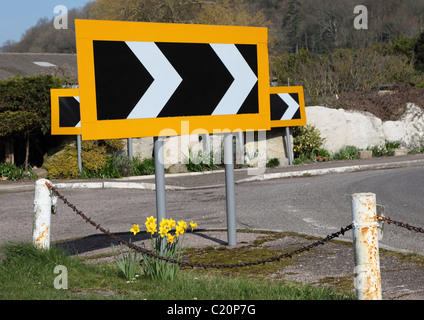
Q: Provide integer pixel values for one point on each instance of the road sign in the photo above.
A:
(141, 79)
(65, 112)
(287, 107)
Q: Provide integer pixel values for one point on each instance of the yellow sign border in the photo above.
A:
(55, 94)
(293, 122)
(92, 129)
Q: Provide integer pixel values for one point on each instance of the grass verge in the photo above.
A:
(27, 273)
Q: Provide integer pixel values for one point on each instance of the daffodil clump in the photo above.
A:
(167, 243)
(128, 261)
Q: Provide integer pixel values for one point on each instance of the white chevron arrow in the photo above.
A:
(293, 106)
(244, 78)
(166, 80)
(79, 122)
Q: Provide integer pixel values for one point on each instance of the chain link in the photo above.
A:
(289, 254)
(400, 224)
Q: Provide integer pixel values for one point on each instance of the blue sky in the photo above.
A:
(16, 16)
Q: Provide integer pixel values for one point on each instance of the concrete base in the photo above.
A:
(365, 154)
(400, 152)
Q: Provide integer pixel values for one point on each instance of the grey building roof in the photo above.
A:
(26, 64)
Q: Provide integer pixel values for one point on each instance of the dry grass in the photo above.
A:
(387, 105)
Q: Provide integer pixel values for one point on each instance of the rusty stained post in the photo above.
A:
(365, 240)
(42, 214)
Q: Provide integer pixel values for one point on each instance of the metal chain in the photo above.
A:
(191, 264)
(216, 265)
(400, 224)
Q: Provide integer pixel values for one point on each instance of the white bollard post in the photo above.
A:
(365, 240)
(42, 215)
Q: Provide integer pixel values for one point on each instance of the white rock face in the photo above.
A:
(341, 128)
(409, 129)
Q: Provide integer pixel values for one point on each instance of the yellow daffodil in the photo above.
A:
(171, 223)
(163, 231)
(151, 227)
(165, 224)
(179, 230)
(182, 224)
(150, 220)
(151, 224)
(170, 238)
(193, 225)
(135, 229)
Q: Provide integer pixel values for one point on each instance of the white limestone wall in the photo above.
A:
(339, 127)
(342, 127)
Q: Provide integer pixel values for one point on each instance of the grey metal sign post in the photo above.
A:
(79, 142)
(229, 187)
(130, 149)
(160, 183)
(289, 151)
(159, 178)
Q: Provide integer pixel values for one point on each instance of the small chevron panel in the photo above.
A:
(142, 79)
(65, 112)
(287, 107)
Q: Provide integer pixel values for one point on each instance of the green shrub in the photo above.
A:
(346, 70)
(299, 160)
(378, 151)
(63, 164)
(323, 153)
(12, 172)
(392, 144)
(113, 145)
(200, 162)
(386, 150)
(93, 156)
(109, 170)
(123, 164)
(272, 163)
(307, 141)
(348, 152)
(419, 52)
(145, 167)
(96, 163)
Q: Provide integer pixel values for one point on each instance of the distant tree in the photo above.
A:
(43, 37)
(224, 12)
(321, 26)
(419, 52)
(25, 109)
(291, 24)
(174, 11)
(230, 12)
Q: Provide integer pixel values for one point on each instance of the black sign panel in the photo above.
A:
(183, 79)
(69, 112)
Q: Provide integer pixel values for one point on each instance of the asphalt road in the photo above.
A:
(321, 205)
(316, 205)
